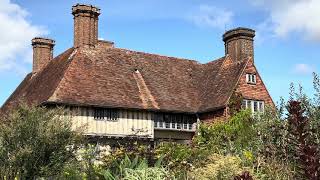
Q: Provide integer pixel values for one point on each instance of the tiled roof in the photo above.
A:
(113, 77)
(37, 88)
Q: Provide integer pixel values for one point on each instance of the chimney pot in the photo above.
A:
(42, 52)
(85, 24)
(239, 43)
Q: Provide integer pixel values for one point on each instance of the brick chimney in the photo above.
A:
(85, 25)
(42, 53)
(239, 43)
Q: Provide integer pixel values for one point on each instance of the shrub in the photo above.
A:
(232, 136)
(218, 167)
(131, 150)
(151, 173)
(36, 142)
(137, 168)
(177, 157)
(84, 166)
(306, 150)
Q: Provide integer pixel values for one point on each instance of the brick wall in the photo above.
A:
(256, 91)
(240, 48)
(210, 117)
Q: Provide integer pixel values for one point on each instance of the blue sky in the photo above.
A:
(287, 44)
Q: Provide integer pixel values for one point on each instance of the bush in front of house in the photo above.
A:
(36, 142)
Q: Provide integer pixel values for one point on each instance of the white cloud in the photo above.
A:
(287, 16)
(15, 37)
(211, 16)
(303, 69)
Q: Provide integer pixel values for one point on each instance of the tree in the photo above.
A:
(36, 142)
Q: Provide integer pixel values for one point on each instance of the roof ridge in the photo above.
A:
(160, 55)
(214, 61)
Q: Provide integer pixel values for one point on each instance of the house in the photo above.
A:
(124, 94)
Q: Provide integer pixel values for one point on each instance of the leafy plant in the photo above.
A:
(231, 136)
(235, 103)
(307, 151)
(177, 157)
(36, 142)
(148, 173)
(136, 168)
(218, 167)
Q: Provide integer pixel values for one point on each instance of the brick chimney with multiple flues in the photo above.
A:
(85, 25)
(42, 53)
(239, 43)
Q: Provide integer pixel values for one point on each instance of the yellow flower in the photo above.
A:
(248, 155)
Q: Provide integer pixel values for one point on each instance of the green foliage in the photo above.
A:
(271, 136)
(137, 168)
(235, 103)
(177, 157)
(149, 173)
(231, 136)
(218, 167)
(268, 169)
(130, 150)
(84, 166)
(36, 142)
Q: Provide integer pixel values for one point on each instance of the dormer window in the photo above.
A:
(251, 78)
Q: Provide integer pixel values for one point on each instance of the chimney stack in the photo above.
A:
(42, 53)
(239, 43)
(85, 25)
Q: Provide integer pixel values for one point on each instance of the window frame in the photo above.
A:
(251, 78)
(106, 114)
(250, 104)
(178, 122)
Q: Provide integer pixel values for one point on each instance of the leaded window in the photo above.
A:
(106, 114)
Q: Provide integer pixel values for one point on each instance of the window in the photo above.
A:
(179, 122)
(106, 114)
(261, 106)
(251, 78)
(174, 121)
(158, 121)
(253, 105)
